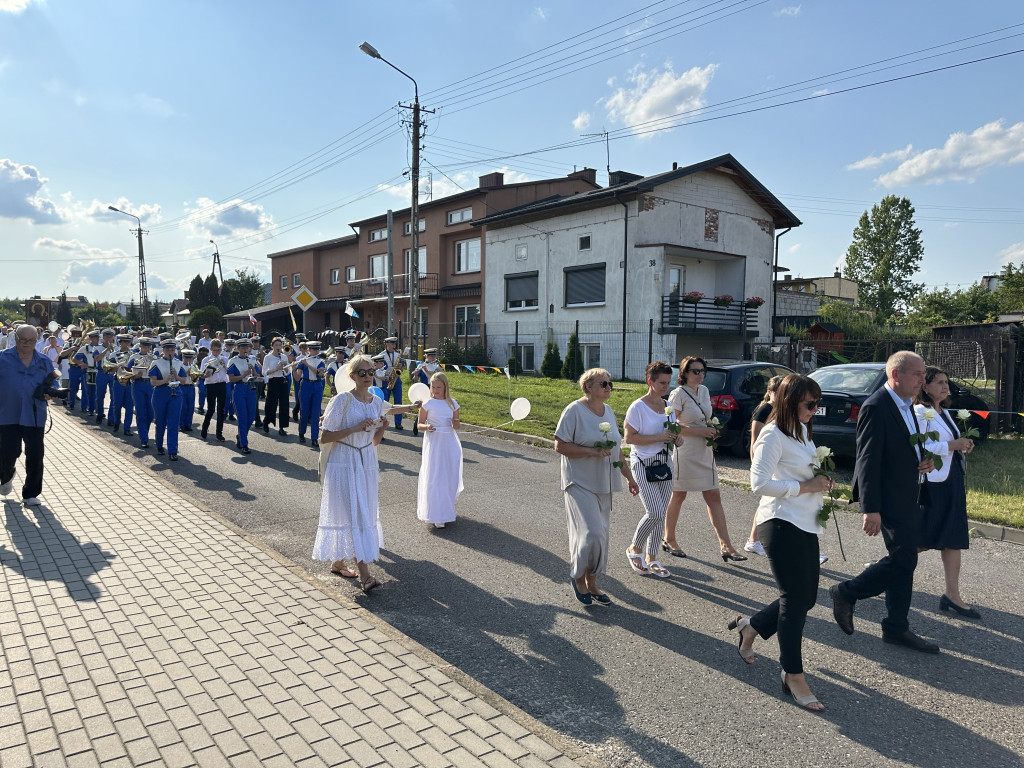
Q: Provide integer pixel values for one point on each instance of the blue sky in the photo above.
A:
(261, 126)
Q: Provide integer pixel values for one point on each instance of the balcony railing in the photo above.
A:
(705, 318)
(377, 287)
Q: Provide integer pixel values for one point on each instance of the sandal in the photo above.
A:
(369, 584)
(666, 547)
(658, 569)
(738, 624)
(804, 701)
(633, 558)
(348, 573)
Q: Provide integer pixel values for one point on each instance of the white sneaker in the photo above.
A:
(822, 559)
(33, 502)
(7, 487)
(755, 547)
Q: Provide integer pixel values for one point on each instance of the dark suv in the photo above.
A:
(737, 388)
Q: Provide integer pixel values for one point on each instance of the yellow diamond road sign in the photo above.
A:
(304, 298)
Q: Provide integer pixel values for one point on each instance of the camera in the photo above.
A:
(45, 389)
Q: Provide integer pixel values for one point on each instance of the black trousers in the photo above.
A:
(277, 403)
(793, 557)
(216, 397)
(893, 574)
(11, 438)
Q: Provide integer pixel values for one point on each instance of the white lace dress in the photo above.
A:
(440, 481)
(349, 515)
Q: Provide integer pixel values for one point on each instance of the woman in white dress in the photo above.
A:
(349, 517)
(440, 480)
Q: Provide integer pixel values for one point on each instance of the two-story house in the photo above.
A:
(622, 260)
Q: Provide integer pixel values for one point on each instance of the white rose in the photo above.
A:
(605, 427)
(715, 422)
(963, 414)
(928, 414)
(669, 410)
(822, 452)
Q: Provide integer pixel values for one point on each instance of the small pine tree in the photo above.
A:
(551, 365)
(514, 368)
(211, 291)
(572, 368)
(196, 294)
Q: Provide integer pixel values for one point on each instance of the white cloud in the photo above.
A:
(80, 249)
(793, 248)
(789, 10)
(99, 211)
(962, 157)
(582, 122)
(540, 13)
(821, 92)
(632, 32)
(93, 272)
(873, 161)
(654, 94)
(15, 6)
(19, 194)
(236, 217)
(56, 88)
(154, 105)
(1013, 254)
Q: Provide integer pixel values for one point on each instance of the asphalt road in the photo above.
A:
(654, 679)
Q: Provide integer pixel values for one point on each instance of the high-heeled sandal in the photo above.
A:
(665, 547)
(727, 556)
(803, 701)
(738, 624)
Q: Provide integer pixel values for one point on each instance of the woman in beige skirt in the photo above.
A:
(694, 461)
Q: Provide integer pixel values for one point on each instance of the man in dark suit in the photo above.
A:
(887, 484)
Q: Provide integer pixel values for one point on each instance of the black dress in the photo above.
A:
(944, 505)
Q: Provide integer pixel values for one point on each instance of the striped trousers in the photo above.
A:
(651, 528)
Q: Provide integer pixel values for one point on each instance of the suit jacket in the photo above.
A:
(885, 478)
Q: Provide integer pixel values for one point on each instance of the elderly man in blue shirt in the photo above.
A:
(22, 415)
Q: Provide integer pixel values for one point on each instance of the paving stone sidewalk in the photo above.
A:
(137, 629)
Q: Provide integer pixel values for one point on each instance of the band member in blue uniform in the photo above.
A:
(187, 391)
(393, 381)
(298, 352)
(341, 358)
(242, 372)
(230, 352)
(352, 347)
(166, 375)
(422, 373)
(87, 359)
(76, 376)
(142, 390)
(121, 406)
(312, 392)
(104, 380)
(201, 354)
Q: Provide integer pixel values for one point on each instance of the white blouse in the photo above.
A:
(646, 421)
(939, 447)
(780, 464)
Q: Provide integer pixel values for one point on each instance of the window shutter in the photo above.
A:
(521, 288)
(584, 285)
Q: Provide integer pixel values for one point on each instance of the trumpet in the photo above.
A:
(194, 373)
(108, 366)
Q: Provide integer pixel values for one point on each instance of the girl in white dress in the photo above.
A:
(441, 471)
(349, 517)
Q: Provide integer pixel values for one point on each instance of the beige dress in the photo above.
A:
(693, 462)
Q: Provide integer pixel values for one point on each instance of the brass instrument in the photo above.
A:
(194, 373)
(396, 372)
(108, 367)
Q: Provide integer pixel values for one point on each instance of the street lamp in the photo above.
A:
(414, 255)
(143, 293)
(216, 262)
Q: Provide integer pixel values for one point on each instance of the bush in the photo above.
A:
(476, 354)
(572, 368)
(551, 366)
(449, 352)
(514, 368)
(211, 317)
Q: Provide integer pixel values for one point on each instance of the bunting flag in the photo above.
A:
(351, 311)
(983, 414)
(507, 374)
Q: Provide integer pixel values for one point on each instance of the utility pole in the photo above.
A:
(389, 273)
(607, 152)
(216, 263)
(143, 292)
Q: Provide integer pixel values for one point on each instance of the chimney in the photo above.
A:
(587, 174)
(675, 166)
(622, 177)
(787, 278)
(838, 274)
(492, 180)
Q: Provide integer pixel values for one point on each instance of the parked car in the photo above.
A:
(844, 388)
(737, 388)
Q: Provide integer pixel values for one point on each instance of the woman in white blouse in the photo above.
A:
(944, 522)
(782, 471)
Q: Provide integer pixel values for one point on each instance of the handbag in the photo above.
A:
(658, 471)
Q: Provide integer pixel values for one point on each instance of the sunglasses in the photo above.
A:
(605, 385)
(364, 372)
(696, 371)
(811, 405)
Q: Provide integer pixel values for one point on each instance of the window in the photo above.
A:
(335, 276)
(521, 252)
(463, 214)
(378, 234)
(350, 274)
(467, 320)
(521, 291)
(284, 282)
(523, 353)
(422, 227)
(422, 260)
(467, 256)
(377, 273)
(296, 280)
(424, 317)
(584, 285)
(676, 281)
(584, 243)
(591, 355)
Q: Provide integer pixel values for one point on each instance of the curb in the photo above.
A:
(568, 747)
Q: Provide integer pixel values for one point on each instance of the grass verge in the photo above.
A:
(995, 483)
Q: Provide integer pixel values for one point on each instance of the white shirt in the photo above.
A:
(939, 447)
(907, 412)
(52, 353)
(205, 343)
(646, 421)
(271, 361)
(780, 464)
(221, 376)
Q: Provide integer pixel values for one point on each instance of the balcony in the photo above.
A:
(705, 318)
(377, 287)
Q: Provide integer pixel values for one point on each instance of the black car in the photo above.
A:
(845, 387)
(737, 388)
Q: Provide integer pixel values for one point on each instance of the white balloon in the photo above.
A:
(419, 391)
(520, 409)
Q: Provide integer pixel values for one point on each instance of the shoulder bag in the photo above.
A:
(658, 471)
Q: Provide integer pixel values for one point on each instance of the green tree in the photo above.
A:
(132, 316)
(976, 304)
(551, 365)
(227, 298)
(212, 291)
(572, 367)
(1010, 293)
(884, 256)
(197, 294)
(104, 316)
(64, 316)
(247, 287)
(211, 317)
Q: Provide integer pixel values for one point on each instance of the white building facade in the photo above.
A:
(619, 262)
